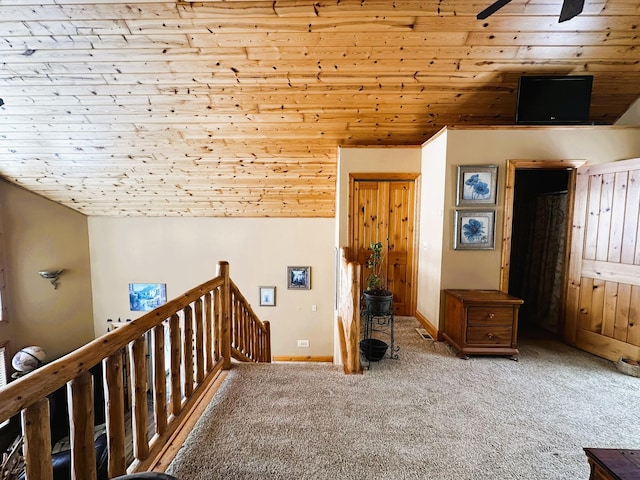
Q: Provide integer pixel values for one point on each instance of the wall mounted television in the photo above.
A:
(553, 100)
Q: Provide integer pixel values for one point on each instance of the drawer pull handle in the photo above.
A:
(490, 335)
(491, 315)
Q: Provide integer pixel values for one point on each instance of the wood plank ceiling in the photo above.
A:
(236, 108)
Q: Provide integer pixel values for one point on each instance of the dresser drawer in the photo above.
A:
(496, 335)
(490, 315)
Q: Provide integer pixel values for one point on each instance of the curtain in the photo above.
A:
(541, 252)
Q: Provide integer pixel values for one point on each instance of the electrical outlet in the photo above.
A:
(314, 308)
(303, 343)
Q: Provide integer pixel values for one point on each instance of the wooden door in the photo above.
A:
(603, 297)
(383, 211)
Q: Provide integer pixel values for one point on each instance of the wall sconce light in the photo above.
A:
(52, 275)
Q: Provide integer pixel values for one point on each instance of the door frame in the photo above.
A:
(507, 230)
(390, 177)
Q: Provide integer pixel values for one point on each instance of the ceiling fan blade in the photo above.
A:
(493, 8)
(570, 8)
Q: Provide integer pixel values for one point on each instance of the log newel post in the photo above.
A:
(225, 317)
(267, 341)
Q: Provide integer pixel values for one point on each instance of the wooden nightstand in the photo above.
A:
(482, 322)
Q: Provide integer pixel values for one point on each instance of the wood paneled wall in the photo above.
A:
(236, 108)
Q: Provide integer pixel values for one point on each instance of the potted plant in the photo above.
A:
(378, 301)
(377, 298)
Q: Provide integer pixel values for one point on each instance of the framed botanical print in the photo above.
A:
(267, 296)
(477, 184)
(474, 230)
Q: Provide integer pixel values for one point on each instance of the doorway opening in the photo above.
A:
(538, 245)
(539, 203)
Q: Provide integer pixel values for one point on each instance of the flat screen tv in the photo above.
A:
(553, 100)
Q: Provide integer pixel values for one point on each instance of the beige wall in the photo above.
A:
(368, 159)
(42, 235)
(481, 269)
(184, 252)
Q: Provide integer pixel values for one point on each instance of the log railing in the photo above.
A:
(250, 338)
(201, 325)
(349, 314)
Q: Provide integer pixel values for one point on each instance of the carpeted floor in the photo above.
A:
(427, 415)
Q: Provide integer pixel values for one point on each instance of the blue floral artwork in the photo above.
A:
(474, 229)
(476, 186)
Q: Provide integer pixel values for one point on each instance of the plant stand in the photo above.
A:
(378, 326)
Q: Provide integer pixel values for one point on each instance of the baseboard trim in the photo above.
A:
(303, 358)
(428, 326)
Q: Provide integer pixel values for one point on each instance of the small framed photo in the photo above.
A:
(477, 184)
(299, 278)
(267, 296)
(474, 230)
(144, 297)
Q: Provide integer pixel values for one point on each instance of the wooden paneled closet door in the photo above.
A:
(384, 211)
(603, 297)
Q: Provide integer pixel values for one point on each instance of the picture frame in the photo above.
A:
(474, 230)
(299, 278)
(144, 297)
(476, 185)
(267, 296)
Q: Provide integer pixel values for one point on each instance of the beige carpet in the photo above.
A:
(427, 415)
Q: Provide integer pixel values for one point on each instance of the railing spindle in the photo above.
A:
(37, 439)
(187, 351)
(217, 324)
(81, 420)
(208, 327)
(114, 398)
(159, 380)
(199, 321)
(176, 391)
(139, 398)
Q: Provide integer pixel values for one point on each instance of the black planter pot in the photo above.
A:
(378, 304)
(373, 349)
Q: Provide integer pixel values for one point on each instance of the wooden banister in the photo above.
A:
(250, 337)
(201, 325)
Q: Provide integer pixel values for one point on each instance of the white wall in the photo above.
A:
(184, 252)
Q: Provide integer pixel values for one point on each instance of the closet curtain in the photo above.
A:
(541, 252)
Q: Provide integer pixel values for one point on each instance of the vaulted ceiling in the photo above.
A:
(236, 108)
